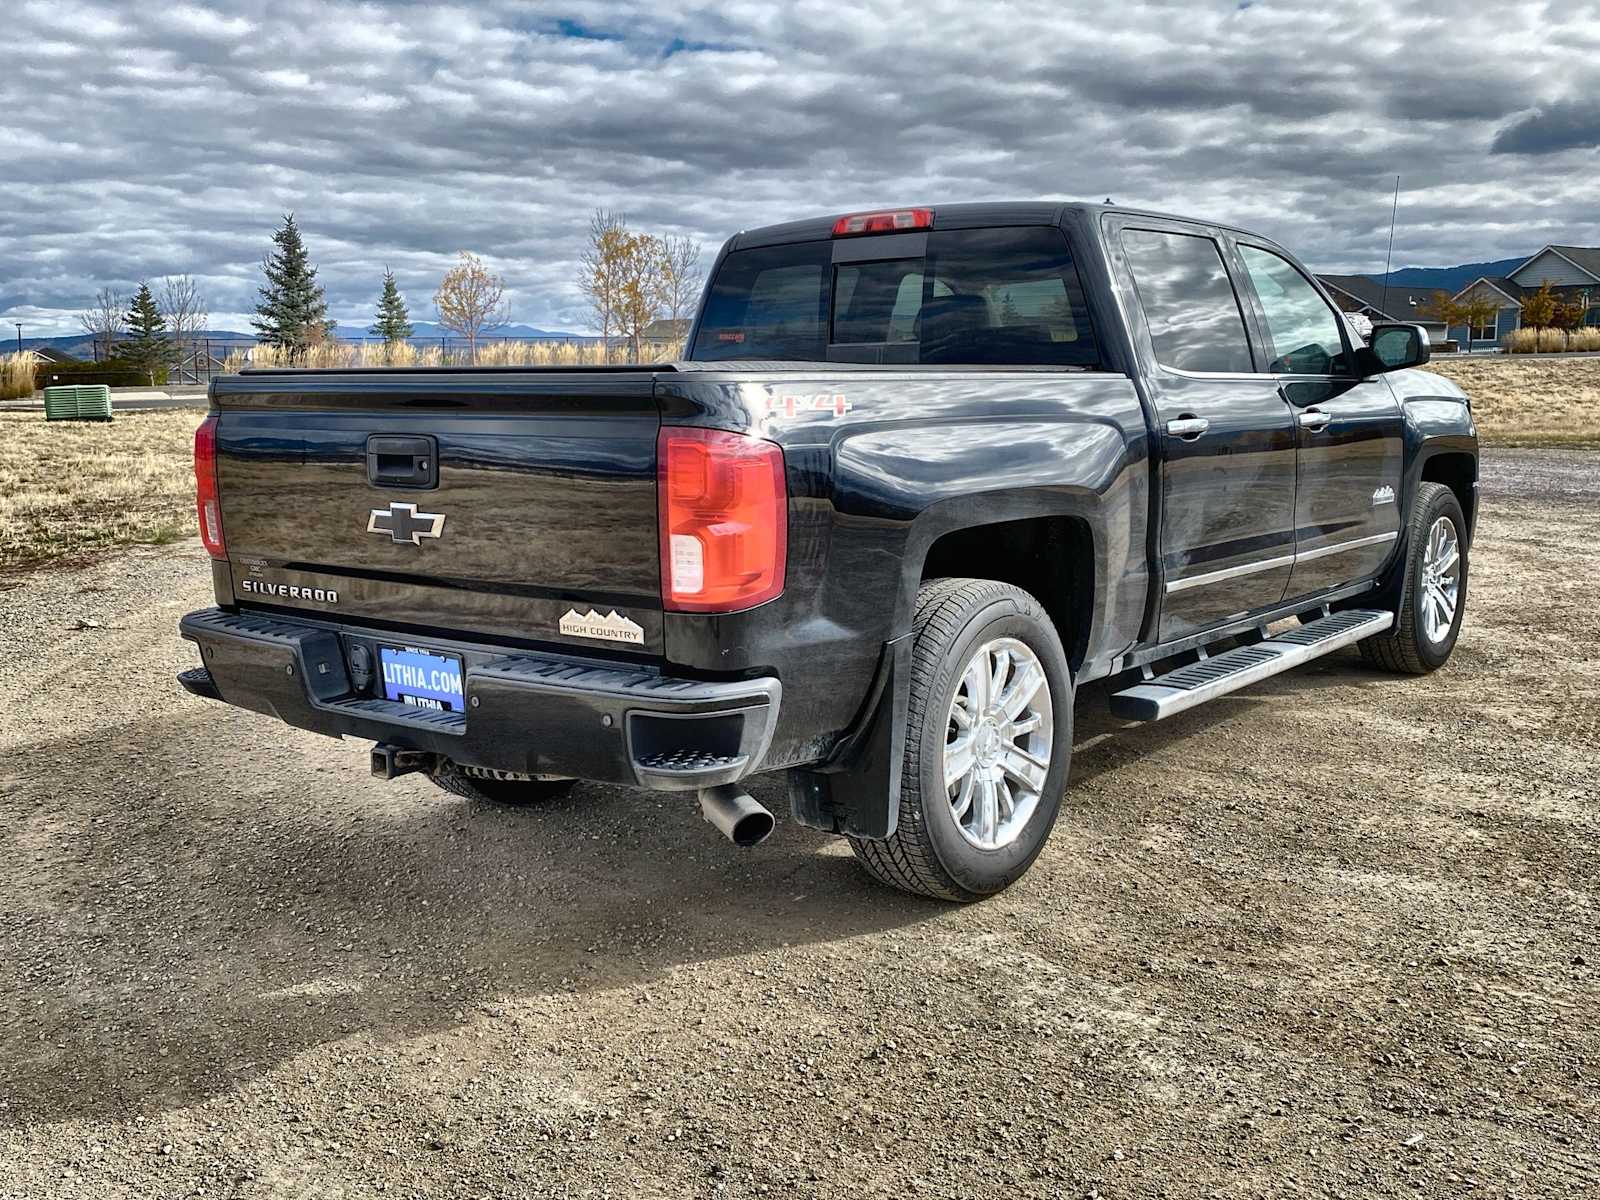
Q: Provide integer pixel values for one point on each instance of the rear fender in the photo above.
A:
(1082, 470)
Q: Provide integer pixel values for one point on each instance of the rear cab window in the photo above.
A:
(1006, 296)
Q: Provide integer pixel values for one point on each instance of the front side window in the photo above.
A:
(1188, 301)
(975, 297)
(1304, 330)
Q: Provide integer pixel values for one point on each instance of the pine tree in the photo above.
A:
(393, 322)
(147, 346)
(293, 312)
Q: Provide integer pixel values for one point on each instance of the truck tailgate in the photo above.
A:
(540, 499)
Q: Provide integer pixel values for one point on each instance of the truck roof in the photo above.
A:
(953, 216)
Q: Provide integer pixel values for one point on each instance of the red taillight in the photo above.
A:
(205, 488)
(894, 221)
(724, 520)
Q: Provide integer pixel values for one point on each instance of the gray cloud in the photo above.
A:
(1564, 125)
(140, 141)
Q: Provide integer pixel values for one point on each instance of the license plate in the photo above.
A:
(421, 678)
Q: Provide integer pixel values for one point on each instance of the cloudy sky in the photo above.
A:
(143, 140)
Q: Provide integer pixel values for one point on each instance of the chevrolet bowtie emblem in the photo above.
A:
(404, 523)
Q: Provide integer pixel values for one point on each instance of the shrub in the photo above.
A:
(16, 374)
(1522, 341)
(1587, 338)
(1552, 341)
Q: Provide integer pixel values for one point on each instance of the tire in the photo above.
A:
(492, 788)
(1420, 640)
(935, 850)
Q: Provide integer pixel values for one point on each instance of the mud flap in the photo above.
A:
(857, 791)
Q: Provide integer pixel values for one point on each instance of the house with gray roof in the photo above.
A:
(1368, 298)
(1573, 273)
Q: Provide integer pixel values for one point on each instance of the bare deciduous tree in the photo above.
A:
(601, 275)
(680, 277)
(471, 300)
(105, 322)
(185, 311)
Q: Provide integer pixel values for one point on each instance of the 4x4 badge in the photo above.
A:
(404, 523)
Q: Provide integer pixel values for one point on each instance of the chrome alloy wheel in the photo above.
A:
(997, 743)
(1439, 588)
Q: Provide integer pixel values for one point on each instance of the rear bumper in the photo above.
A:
(527, 713)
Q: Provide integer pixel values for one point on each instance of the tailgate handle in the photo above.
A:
(408, 462)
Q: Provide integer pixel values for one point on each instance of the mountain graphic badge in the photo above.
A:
(613, 627)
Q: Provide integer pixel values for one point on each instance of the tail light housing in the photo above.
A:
(724, 520)
(205, 488)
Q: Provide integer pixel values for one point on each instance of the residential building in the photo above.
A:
(1368, 298)
(1572, 271)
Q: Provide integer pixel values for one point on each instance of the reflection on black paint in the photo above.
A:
(1188, 302)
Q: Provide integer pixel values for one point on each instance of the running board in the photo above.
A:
(1209, 678)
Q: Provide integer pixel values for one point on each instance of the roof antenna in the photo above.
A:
(1389, 262)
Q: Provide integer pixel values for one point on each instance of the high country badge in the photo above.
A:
(613, 627)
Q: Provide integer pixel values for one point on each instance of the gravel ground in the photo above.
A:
(1332, 936)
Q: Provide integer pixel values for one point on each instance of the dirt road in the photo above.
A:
(1332, 936)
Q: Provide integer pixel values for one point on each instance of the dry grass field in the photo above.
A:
(1530, 401)
(70, 488)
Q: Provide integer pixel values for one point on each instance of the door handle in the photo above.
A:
(407, 462)
(1188, 427)
(1314, 419)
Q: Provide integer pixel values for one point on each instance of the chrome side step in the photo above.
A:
(1209, 678)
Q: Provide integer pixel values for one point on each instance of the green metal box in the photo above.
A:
(80, 402)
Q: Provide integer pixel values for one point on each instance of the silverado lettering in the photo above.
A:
(288, 591)
(1080, 443)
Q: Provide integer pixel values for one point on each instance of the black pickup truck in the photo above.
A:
(920, 474)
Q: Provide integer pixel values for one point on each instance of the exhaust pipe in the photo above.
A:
(737, 815)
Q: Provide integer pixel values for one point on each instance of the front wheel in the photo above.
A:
(1435, 596)
(988, 743)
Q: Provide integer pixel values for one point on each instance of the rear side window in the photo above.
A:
(977, 297)
(1188, 302)
(768, 303)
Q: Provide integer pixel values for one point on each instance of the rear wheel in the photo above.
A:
(497, 787)
(988, 743)
(1435, 597)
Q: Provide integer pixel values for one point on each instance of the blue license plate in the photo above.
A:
(422, 679)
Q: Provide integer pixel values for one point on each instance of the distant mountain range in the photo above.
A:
(1449, 279)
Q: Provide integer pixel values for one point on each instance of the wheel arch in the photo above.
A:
(1051, 557)
(1458, 471)
(1008, 535)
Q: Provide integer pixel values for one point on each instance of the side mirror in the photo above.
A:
(1394, 347)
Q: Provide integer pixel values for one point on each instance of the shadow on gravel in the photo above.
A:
(191, 901)
(1103, 742)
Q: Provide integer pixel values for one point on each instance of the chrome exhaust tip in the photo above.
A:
(738, 816)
